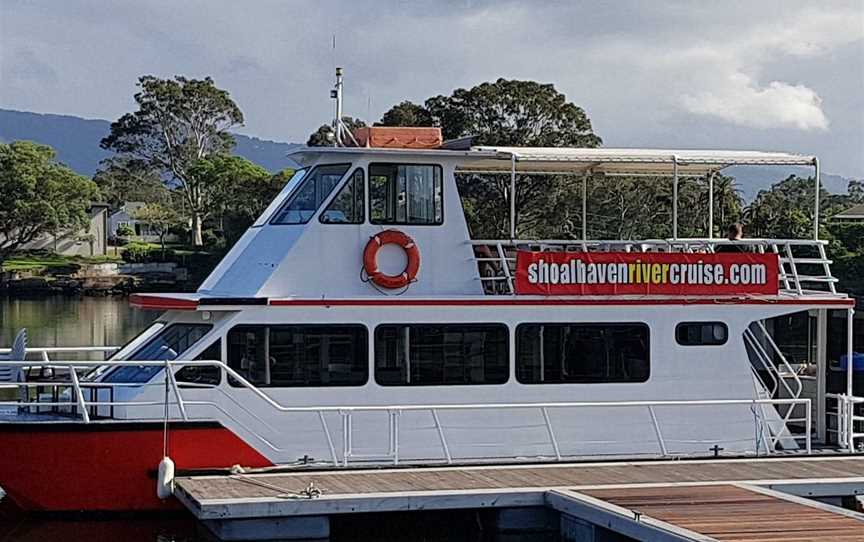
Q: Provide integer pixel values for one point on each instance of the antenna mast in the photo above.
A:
(341, 133)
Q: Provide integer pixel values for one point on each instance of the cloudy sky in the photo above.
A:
(774, 75)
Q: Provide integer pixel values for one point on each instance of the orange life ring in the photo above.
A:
(370, 259)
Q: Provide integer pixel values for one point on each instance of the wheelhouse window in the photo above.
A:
(299, 355)
(348, 207)
(554, 353)
(701, 333)
(313, 190)
(167, 345)
(406, 194)
(202, 375)
(435, 355)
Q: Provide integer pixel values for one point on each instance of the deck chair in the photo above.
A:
(17, 353)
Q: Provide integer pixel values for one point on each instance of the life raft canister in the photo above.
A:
(370, 259)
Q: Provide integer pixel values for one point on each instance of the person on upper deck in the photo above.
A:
(735, 232)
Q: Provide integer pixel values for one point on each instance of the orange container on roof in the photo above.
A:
(399, 137)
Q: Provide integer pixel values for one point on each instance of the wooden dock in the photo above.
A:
(722, 499)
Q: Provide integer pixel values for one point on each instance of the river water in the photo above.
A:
(89, 321)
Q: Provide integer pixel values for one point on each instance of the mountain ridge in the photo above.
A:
(76, 140)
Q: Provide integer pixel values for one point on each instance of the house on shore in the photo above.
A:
(125, 216)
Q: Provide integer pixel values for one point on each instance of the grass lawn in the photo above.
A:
(40, 261)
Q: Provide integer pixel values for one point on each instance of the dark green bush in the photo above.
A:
(144, 253)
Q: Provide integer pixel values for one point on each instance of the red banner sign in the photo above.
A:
(646, 273)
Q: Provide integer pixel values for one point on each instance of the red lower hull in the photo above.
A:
(107, 466)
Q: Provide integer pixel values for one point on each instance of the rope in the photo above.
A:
(311, 492)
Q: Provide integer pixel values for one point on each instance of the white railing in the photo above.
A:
(773, 429)
(804, 266)
(850, 425)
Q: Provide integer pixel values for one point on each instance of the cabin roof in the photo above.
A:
(568, 160)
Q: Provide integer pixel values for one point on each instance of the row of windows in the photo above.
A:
(442, 354)
(399, 194)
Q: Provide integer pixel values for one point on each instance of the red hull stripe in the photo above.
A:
(542, 302)
(108, 466)
(152, 302)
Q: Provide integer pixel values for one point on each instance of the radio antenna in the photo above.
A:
(341, 133)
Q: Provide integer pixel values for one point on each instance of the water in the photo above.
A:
(71, 321)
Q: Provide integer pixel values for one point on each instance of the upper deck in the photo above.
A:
(311, 241)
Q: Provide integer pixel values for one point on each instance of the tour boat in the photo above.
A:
(357, 324)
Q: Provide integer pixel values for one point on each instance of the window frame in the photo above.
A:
(329, 201)
(232, 382)
(644, 325)
(272, 221)
(394, 223)
(507, 349)
(702, 323)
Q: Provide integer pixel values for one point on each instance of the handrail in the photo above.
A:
(792, 279)
(347, 411)
(847, 419)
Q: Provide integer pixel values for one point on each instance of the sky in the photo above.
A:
(771, 75)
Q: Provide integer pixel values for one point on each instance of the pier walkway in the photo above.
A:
(720, 499)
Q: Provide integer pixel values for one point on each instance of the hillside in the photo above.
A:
(76, 140)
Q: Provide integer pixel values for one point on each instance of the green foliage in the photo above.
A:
(406, 114)
(178, 122)
(146, 253)
(124, 179)
(786, 209)
(125, 230)
(239, 190)
(40, 195)
(518, 113)
(160, 218)
(323, 136)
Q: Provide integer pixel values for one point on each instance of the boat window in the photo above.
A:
(277, 201)
(299, 355)
(167, 345)
(433, 355)
(348, 205)
(408, 194)
(701, 333)
(203, 375)
(552, 353)
(310, 194)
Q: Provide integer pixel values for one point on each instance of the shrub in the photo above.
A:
(137, 253)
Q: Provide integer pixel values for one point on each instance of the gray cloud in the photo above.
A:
(772, 74)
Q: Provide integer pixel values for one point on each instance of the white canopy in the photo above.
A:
(569, 160)
(660, 162)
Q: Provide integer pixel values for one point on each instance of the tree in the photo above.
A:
(515, 113)
(240, 190)
(123, 179)
(786, 209)
(160, 218)
(178, 122)
(40, 195)
(406, 114)
(323, 136)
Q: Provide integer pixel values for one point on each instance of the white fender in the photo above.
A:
(165, 478)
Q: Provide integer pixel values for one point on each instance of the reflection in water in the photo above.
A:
(71, 321)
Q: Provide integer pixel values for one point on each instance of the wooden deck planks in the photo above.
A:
(734, 514)
(332, 483)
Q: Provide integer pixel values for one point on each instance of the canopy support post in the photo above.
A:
(512, 197)
(710, 205)
(675, 198)
(850, 374)
(585, 206)
(816, 208)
